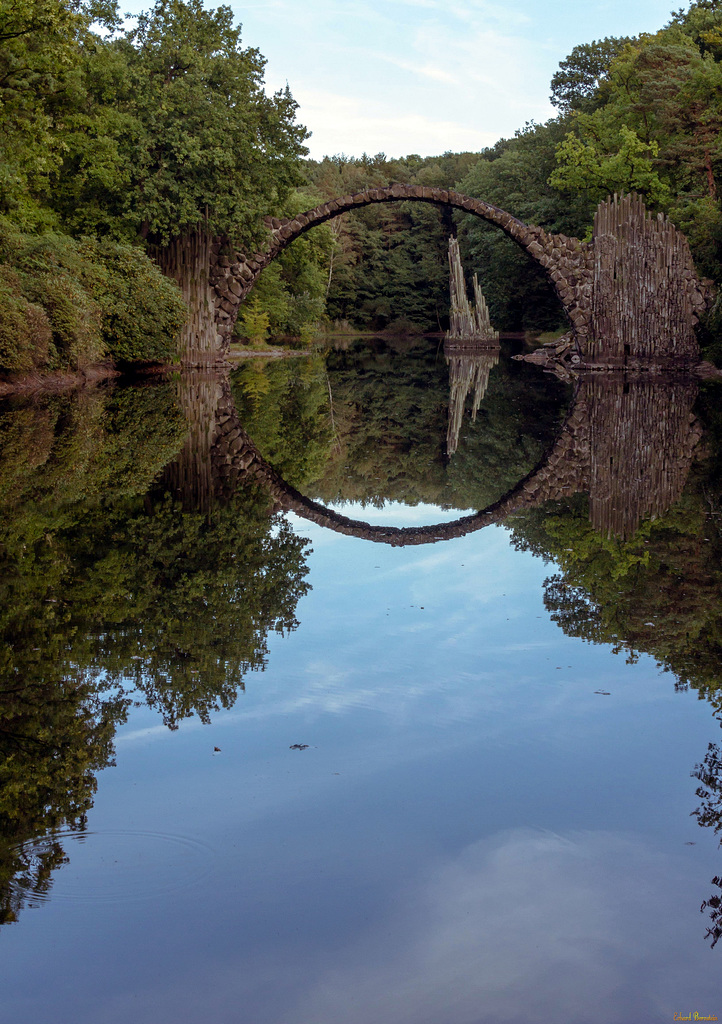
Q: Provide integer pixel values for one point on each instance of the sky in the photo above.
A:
(424, 76)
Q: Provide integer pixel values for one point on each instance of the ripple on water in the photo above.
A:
(111, 866)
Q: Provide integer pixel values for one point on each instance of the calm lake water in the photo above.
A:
(262, 766)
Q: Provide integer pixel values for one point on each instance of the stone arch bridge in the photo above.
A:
(632, 292)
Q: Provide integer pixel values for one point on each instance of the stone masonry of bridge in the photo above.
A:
(575, 268)
(568, 261)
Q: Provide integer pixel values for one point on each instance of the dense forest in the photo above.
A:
(640, 114)
(118, 145)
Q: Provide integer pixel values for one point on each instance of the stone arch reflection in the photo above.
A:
(628, 441)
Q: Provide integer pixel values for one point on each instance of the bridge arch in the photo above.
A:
(567, 261)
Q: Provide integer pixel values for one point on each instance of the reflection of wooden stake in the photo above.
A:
(471, 347)
(468, 371)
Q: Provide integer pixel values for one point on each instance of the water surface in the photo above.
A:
(340, 779)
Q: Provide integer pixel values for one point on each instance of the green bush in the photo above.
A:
(142, 311)
(65, 303)
(25, 331)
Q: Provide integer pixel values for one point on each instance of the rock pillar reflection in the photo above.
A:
(642, 438)
(469, 366)
(202, 396)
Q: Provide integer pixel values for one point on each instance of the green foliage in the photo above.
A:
(25, 331)
(171, 127)
(142, 311)
(139, 134)
(253, 322)
(110, 593)
(283, 406)
(575, 86)
(387, 265)
(38, 57)
(178, 602)
(657, 593)
(92, 446)
(514, 175)
(65, 303)
(653, 125)
(596, 166)
(390, 412)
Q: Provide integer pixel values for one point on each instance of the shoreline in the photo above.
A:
(55, 381)
(51, 381)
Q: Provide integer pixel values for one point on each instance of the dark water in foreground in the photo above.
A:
(340, 780)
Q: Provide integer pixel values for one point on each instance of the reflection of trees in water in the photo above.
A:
(636, 573)
(654, 587)
(391, 401)
(174, 605)
(110, 593)
(709, 815)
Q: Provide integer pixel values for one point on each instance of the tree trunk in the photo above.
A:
(187, 261)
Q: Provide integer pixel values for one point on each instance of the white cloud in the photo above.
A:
(346, 124)
(526, 926)
(433, 71)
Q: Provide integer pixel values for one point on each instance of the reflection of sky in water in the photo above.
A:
(472, 834)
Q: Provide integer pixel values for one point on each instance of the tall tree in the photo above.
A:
(575, 86)
(174, 140)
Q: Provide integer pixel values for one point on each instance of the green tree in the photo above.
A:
(38, 55)
(653, 125)
(112, 592)
(595, 164)
(575, 86)
(514, 174)
(173, 137)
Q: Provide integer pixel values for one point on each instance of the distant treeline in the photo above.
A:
(115, 142)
